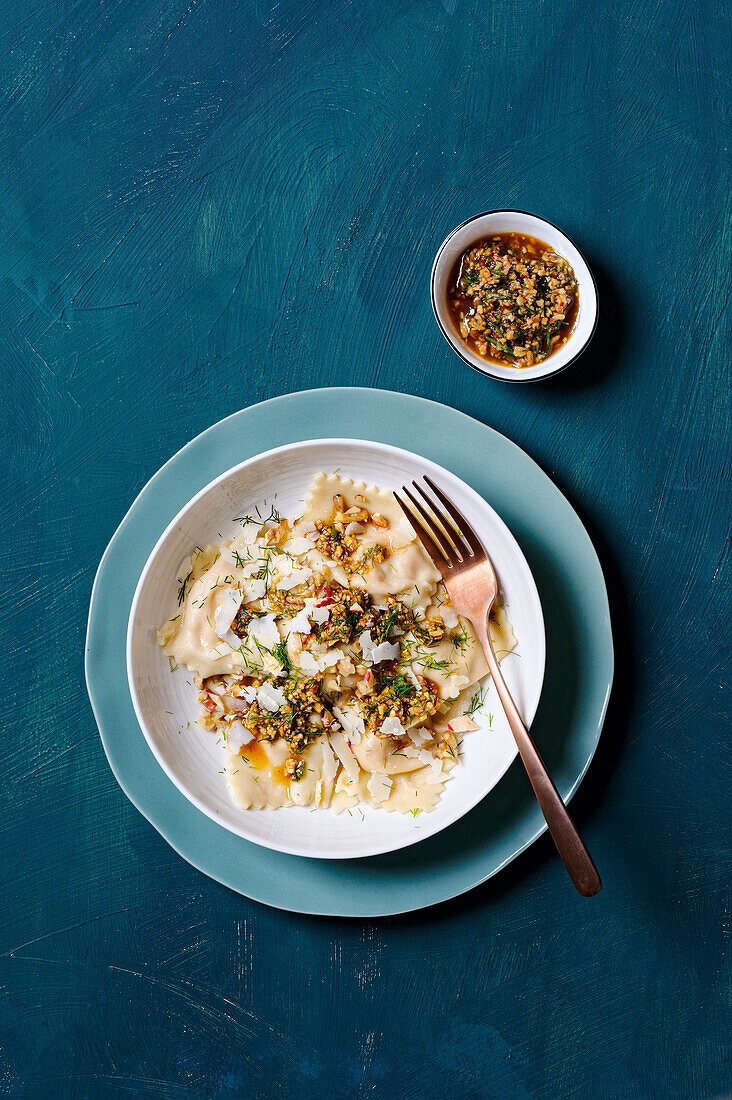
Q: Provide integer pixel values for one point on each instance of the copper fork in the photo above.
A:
(468, 575)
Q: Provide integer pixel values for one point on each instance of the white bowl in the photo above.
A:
(165, 701)
(514, 221)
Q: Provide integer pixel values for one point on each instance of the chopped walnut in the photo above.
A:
(447, 746)
(434, 628)
(294, 769)
(275, 536)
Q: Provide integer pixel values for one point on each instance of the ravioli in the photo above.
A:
(327, 656)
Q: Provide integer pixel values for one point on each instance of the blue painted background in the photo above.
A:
(204, 205)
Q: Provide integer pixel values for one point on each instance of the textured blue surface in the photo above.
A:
(204, 205)
(577, 680)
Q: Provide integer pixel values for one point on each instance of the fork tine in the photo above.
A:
(434, 552)
(433, 529)
(458, 518)
(425, 530)
(445, 525)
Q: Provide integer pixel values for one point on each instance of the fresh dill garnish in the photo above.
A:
(182, 589)
(173, 667)
(433, 663)
(273, 517)
(460, 639)
(476, 702)
(262, 573)
(384, 627)
(395, 685)
(279, 652)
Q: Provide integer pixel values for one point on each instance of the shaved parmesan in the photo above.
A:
(308, 663)
(226, 555)
(247, 535)
(271, 698)
(299, 546)
(264, 630)
(351, 721)
(300, 623)
(233, 703)
(386, 651)
(392, 727)
(419, 736)
(230, 602)
(237, 736)
(462, 724)
(232, 640)
(296, 577)
(255, 590)
(454, 685)
(320, 615)
(330, 764)
(379, 787)
(343, 752)
(331, 658)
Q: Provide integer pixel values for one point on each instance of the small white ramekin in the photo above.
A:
(514, 221)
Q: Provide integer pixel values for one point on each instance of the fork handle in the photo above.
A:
(575, 856)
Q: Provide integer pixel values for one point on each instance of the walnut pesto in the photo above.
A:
(296, 721)
(513, 299)
(346, 550)
(397, 697)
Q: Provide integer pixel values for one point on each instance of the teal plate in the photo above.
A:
(577, 682)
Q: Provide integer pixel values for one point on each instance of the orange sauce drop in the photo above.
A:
(254, 755)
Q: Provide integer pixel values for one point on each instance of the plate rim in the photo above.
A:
(329, 909)
(436, 467)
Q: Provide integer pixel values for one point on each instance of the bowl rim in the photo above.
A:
(453, 342)
(276, 845)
